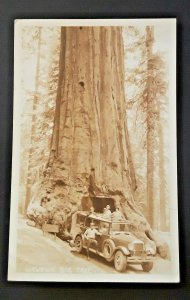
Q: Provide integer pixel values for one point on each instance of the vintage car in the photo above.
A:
(116, 242)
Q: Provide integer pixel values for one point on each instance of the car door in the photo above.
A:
(88, 220)
(104, 229)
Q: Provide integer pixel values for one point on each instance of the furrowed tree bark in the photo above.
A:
(90, 123)
(150, 128)
(162, 175)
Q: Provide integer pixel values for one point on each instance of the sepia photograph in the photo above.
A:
(94, 161)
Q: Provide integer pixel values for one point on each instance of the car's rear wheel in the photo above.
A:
(120, 261)
(147, 266)
(78, 243)
(108, 249)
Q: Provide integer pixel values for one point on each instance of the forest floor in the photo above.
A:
(42, 253)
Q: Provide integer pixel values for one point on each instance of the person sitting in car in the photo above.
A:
(90, 237)
(117, 215)
(107, 212)
(92, 213)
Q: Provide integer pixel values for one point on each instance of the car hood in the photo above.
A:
(124, 238)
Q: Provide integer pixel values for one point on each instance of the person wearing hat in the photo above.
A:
(107, 212)
(92, 213)
(117, 215)
(90, 237)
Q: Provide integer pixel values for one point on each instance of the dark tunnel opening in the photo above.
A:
(99, 203)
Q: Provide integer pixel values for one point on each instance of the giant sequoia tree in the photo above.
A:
(90, 149)
(90, 122)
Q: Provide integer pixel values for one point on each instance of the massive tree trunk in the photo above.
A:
(90, 122)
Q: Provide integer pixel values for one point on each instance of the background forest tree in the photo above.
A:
(145, 114)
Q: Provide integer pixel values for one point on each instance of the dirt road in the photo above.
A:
(44, 254)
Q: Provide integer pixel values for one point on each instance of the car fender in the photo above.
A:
(123, 249)
(108, 249)
(71, 243)
(78, 232)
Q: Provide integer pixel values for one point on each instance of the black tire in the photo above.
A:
(108, 249)
(78, 243)
(120, 261)
(147, 266)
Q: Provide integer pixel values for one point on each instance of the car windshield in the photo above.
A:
(119, 227)
(91, 220)
(80, 219)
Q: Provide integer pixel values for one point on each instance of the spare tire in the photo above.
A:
(108, 249)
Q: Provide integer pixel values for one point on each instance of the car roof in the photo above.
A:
(101, 218)
(98, 217)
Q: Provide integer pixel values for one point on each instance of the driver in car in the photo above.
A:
(90, 237)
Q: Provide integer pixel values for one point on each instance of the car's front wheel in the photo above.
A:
(147, 266)
(78, 243)
(120, 261)
(108, 249)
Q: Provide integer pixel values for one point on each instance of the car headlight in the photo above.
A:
(150, 251)
(131, 247)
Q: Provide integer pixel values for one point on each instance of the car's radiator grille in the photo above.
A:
(138, 247)
(138, 253)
